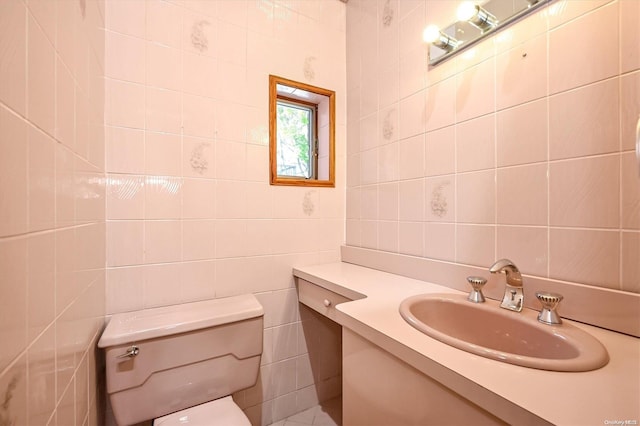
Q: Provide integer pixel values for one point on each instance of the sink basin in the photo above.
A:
(516, 338)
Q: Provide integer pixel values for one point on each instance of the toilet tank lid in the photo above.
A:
(130, 327)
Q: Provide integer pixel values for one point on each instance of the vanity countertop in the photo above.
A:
(519, 395)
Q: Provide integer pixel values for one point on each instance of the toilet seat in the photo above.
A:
(223, 412)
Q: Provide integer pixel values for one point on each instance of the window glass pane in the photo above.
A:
(294, 140)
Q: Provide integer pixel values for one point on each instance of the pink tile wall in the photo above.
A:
(523, 143)
(52, 210)
(190, 214)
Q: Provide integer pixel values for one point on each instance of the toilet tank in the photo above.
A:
(187, 354)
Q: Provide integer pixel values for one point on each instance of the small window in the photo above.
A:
(301, 134)
(297, 142)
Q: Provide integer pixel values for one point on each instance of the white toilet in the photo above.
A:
(180, 364)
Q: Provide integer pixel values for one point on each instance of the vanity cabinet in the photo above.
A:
(380, 389)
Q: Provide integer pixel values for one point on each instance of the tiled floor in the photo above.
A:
(328, 413)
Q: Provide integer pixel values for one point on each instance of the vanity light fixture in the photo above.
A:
(433, 35)
(476, 22)
(477, 16)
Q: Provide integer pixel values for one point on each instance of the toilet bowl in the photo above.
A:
(180, 364)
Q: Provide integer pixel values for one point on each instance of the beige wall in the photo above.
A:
(520, 147)
(190, 213)
(52, 212)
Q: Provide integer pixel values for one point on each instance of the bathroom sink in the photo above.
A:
(516, 338)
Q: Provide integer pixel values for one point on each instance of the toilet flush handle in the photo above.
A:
(130, 353)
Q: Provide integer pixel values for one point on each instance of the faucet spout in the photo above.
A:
(506, 266)
(513, 293)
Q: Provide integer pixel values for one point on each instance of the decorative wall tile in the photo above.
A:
(388, 125)
(439, 202)
(198, 159)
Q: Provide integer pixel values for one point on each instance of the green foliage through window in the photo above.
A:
(295, 139)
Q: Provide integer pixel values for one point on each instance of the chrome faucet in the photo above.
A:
(513, 293)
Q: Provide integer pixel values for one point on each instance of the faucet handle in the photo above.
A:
(549, 301)
(477, 283)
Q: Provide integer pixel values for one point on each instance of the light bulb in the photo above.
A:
(431, 34)
(476, 16)
(466, 11)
